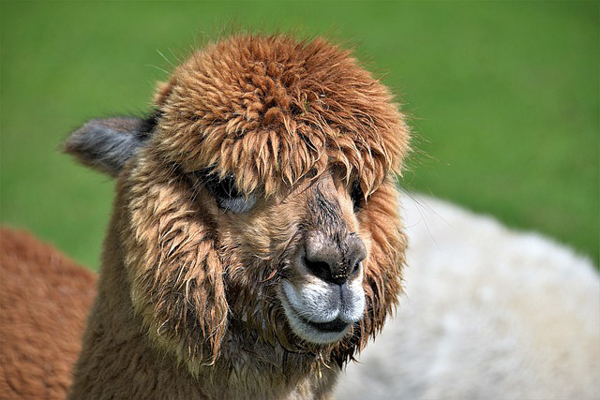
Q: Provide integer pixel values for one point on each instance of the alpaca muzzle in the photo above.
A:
(327, 297)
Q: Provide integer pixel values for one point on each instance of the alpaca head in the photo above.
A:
(259, 199)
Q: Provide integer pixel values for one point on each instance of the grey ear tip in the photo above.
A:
(76, 146)
(77, 142)
(72, 142)
(107, 144)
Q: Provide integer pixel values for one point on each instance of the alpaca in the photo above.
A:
(44, 300)
(488, 313)
(255, 244)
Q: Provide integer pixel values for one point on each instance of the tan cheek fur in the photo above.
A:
(267, 231)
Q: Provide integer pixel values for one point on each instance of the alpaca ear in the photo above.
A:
(107, 144)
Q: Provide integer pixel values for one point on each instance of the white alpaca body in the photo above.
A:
(489, 313)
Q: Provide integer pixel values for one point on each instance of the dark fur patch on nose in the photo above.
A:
(333, 253)
(328, 216)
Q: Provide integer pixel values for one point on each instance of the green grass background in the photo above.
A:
(503, 98)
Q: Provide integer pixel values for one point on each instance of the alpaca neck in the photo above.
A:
(119, 360)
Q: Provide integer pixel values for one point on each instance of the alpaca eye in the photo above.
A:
(358, 196)
(222, 188)
(226, 194)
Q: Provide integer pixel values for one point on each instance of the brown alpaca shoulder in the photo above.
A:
(44, 300)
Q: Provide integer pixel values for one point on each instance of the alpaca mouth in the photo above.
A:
(318, 332)
(336, 326)
(313, 331)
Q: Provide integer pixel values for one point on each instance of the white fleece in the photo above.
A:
(489, 313)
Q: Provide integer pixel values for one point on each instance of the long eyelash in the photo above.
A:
(219, 187)
(227, 187)
(224, 191)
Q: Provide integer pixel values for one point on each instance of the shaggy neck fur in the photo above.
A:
(120, 360)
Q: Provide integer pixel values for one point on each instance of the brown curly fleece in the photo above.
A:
(44, 300)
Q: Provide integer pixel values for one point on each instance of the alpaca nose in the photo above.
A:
(334, 262)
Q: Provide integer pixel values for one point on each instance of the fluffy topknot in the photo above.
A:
(271, 109)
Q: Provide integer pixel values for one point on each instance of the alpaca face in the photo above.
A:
(309, 243)
(259, 200)
(322, 293)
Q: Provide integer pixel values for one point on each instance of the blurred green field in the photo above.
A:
(503, 99)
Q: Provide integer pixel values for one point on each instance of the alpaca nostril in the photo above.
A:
(324, 271)
(357, 253)
(355, 268)
(320, 269)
